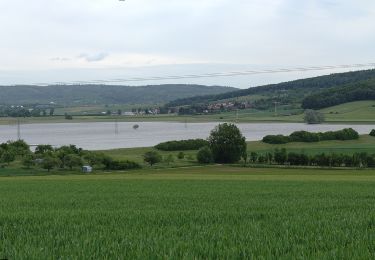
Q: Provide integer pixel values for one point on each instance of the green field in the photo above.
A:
(195, 213)
(365, 143)
(361, 111)
(354, 112)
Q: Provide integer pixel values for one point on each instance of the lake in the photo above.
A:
(100, 136)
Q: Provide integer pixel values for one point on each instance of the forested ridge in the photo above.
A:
(339, 95)
(291, 92)
(103, 94)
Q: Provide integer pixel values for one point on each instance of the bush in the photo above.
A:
(181, 155)
(372, 133)
(120, 165)
(227, 143)
(204, 155)
(304, 136)
(276, 139)
(191, 144)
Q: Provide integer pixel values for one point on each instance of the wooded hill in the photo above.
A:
(364, 90)
(294, 92)
(103, 94)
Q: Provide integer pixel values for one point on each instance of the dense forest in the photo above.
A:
(287, 92)
(103, 94)
(339, 95)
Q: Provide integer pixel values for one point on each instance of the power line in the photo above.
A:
(214, 75)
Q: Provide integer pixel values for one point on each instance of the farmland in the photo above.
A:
(199, 212)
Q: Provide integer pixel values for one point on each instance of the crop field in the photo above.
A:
(192, 213)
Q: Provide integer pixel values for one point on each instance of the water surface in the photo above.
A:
(103, 135)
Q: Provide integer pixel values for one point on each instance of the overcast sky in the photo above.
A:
(67, 40)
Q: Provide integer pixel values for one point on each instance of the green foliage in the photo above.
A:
(181, 155)
(304, 136)
(205, 155)
(50, 162)
(117, 165)
(372, 133)
(227, 143)
(191, 144)
(73, 160)
(169, 159)
(152, 157)
(313, 117)
(43, 148)
(7, 156)
(334, 96)
(28, 161)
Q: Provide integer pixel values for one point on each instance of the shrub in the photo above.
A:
(276, 139)
(304, 136)
(372, 133)
(204, 155)
(191, 144)
(227, 143)
(181, 155)
(115, 165)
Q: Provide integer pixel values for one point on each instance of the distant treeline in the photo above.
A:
(336, 96)
(304, 136)
(20, 111)
(294, 90)
(183, 145)
(282, 157)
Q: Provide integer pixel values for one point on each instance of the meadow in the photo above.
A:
(191, 213)
(361, 112)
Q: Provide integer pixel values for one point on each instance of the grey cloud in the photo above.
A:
(93, 57)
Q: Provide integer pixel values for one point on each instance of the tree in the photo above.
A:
(372, 133)
(169, 159)
(28, 161)
(73, 160)
(181, 155)
(253, 157)
(227, 143)
(7, 157)
(280, 156)
(152, 157)
(19, 147)
(313, 117)
(50, 162)
(205, 155)
(43, 148)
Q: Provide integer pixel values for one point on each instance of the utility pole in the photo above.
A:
(116, 127)
(18, 129)
(276, 107)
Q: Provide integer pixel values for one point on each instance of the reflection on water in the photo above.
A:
(98, 136)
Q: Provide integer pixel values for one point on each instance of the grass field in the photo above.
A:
(193, 213)
(365, 143)
(360, 111)
(354, 112)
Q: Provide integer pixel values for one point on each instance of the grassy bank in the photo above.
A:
(209, 212)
